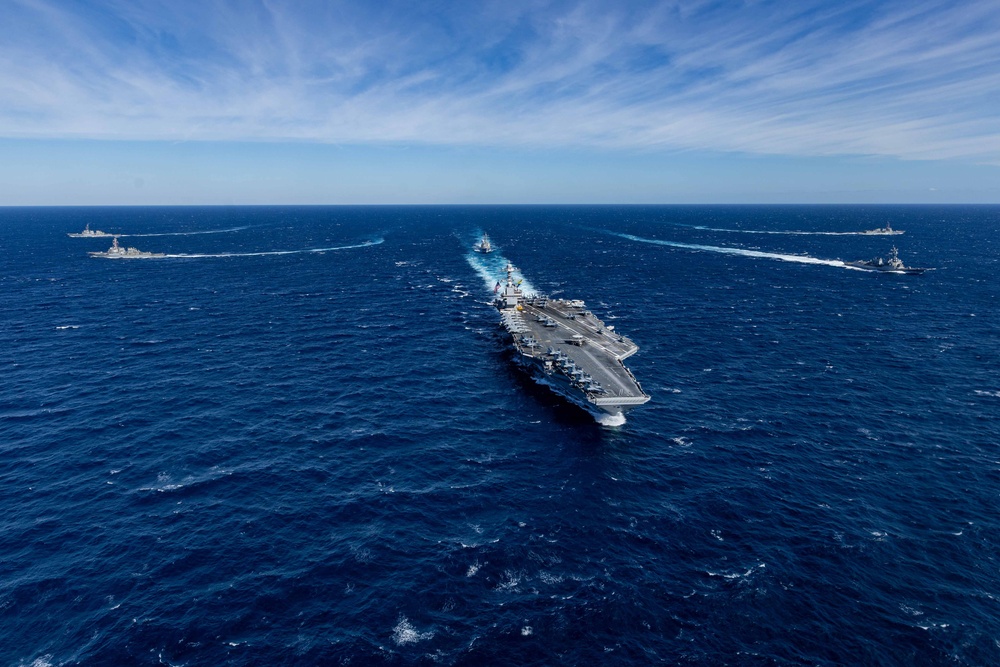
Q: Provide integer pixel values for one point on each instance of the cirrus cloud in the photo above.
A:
(914, 80)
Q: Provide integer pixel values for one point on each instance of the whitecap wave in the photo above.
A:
(404, 633)
(737, 575)
(508, 582)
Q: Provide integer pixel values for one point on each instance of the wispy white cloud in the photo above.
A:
(915, 80)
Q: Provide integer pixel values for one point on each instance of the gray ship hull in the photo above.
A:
(610, 412)
(565, 347)
(890, 264)
(119, 252)
(884, 268)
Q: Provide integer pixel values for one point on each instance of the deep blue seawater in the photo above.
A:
(231, 457)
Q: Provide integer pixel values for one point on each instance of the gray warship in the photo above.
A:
(568, 349)
(118, 252)
(89, 233)
(890, 264)
(484, 245)
(883, 231)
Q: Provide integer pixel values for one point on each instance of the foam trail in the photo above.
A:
(274, 252)
(802, 259)
(208, 231)
(789, 232)
(492, 268)
(611, 420)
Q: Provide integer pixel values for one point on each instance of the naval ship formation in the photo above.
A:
(566, 348)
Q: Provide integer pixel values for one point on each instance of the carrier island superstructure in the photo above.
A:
(566, 348)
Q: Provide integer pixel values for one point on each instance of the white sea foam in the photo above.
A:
(492, 268)
(405, 633)
(68, 326)
(526, 631)
(980, 392)
(270, 252)
(473, 569)
(207, 231)
(737, 575)
(509, 581)
(801, 259)
(788, 232)
(611, 420)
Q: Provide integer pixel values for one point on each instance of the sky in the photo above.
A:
(434, 102)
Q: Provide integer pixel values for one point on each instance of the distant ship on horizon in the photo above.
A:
(883, 231)
(88, 233)
(484, 245)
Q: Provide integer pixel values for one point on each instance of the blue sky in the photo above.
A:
(268, 102)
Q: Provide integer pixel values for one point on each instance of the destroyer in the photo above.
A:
(566, 348)
(88, 233)
(483, 245)
(883, 231)
(890, 264)
(118, 252)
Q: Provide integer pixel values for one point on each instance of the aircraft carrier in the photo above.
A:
(567, 348)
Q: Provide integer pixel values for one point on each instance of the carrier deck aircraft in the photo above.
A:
(565, 347)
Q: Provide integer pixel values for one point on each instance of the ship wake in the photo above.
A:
(207, 231)
(789, 232)
(492, 268)
(275, 252)
(801, 259)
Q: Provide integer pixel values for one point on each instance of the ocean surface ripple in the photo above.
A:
(312, 449)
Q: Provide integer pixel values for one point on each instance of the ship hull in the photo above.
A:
(105, 255)
(568, 349)
(909, 271)
(561, 387)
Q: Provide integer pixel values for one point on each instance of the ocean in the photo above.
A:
(299, 439)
